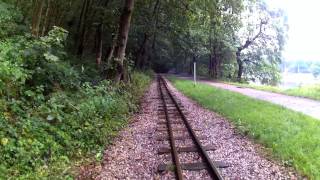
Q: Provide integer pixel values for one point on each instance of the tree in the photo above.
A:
(144, 31)
(36, 19)
(167, 34)
(261, 39)
(82, 29)
(45, 21)
(99, 43)
(315, 69)
(224, 21)
(120, 50)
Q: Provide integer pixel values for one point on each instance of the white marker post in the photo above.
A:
(194, 71)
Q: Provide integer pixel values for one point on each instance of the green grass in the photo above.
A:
(290, 136)
(308, 91)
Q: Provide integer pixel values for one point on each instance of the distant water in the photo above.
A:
(291, 80)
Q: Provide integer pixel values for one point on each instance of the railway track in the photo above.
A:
(176, 127)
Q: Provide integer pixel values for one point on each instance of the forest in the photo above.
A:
(72, 72)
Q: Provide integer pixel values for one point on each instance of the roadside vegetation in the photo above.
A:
(290, 136)
(51, 112)
(307, 91)
(55, 109)
(43, 135)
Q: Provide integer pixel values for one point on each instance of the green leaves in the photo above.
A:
(8, 18)
(50, 113)
(4, 141)
(261, 37)
(37, 140)
(41, 62)
(50, 57)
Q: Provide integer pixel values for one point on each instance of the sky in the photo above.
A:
(304, 28)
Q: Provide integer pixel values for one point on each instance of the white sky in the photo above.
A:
(304, 28)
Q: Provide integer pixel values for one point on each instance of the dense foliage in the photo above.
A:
(64, 124)
(235, 39)
(53, 108)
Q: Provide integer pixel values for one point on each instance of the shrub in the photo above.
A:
(68, 125)
(52, 110)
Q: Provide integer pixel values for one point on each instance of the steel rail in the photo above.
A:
(175, 157)
(212, 169)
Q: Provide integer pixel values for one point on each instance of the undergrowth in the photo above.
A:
(54, 111)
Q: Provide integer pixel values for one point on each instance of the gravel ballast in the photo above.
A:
(134, 154)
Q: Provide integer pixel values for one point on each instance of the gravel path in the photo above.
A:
(304, 105)
(134, 155)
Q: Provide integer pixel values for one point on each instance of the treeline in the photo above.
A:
(230, 38)
(68, 69)
(300, 66)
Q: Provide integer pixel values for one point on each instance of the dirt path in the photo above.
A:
(304, 105)
(134, 155)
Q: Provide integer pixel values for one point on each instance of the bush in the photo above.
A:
(27, 63)
(8, 18)
(49, 115)
(68, 125)
(50, 111)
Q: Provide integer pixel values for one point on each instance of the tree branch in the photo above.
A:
(249, 42)
(249, 61)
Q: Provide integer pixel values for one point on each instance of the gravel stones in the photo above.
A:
(134, 154)
(244, 158)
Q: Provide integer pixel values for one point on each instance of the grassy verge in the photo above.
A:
(292, 137)
(308, 91)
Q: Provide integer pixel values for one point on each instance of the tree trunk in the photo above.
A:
(36, 19)
(110, 51)
(240, 71)
(155, 19)
(46, 18)
(246, 45)
(17, 3)
(145, 58)
(124, 27)
(214, 64)
(240, 66)
(184, 68)
(99, 45)
(219, 70)
(51, 16)
(210, 66)
(142, 50)
(80, 37)
(102, 4)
